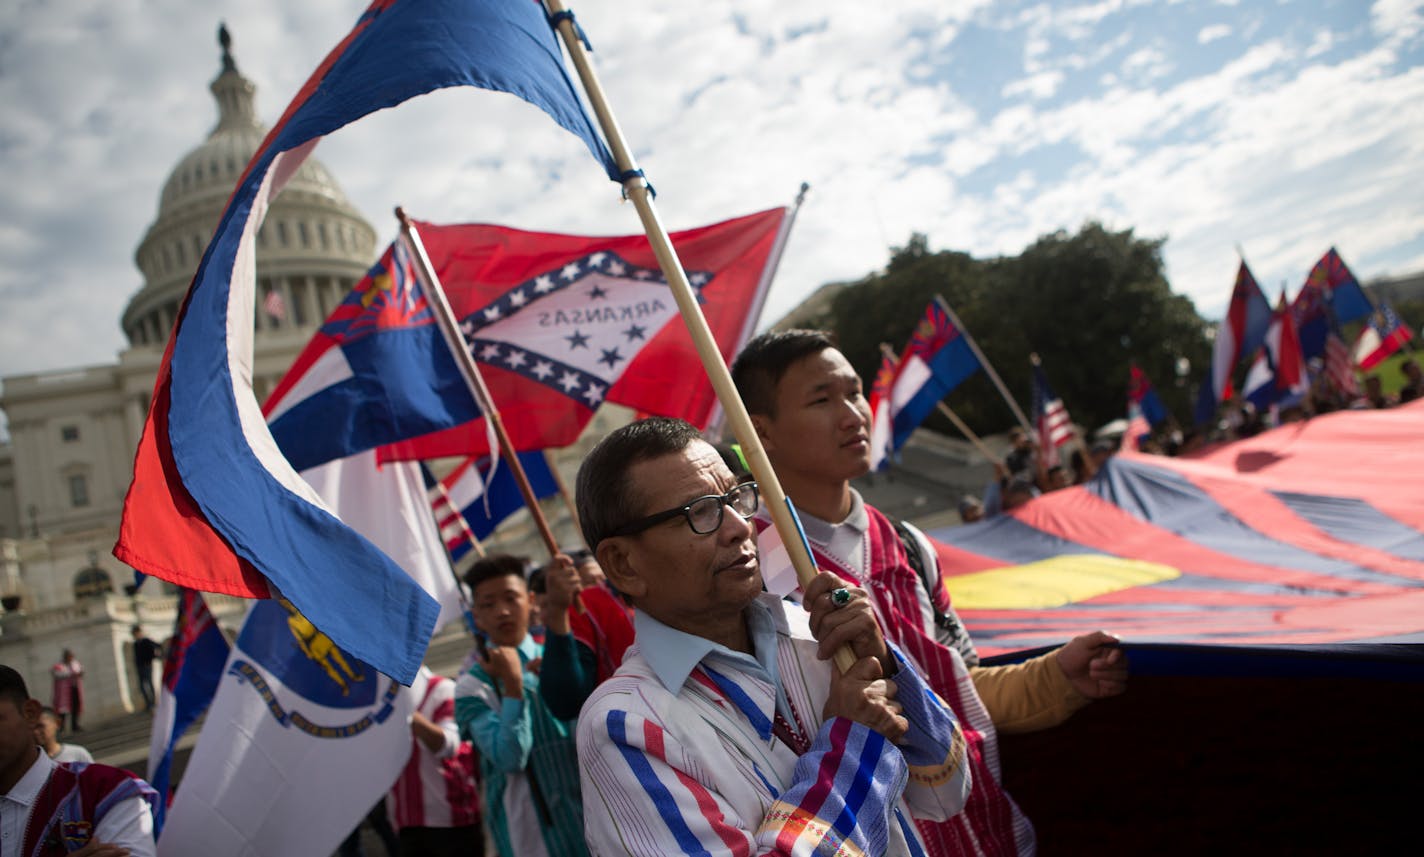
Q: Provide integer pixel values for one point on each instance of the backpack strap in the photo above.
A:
(949, 629)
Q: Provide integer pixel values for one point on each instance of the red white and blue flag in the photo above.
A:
(214, 505)
(473, 504)
(559, 324)
(882, 444)
(1278, 375)
(1141, 393)
(377, 371)
(1241, 333)
(937, 359)
(1330, 297)
(192, 669)
(1050, 417)
(1384, 335)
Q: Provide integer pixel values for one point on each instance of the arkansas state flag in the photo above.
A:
(937, 359)
(560, 324)
(1241, 333)
(214, 506)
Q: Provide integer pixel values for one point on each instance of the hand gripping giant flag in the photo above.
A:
(560, 324)
(213, 505)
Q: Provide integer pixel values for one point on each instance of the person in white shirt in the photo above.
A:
(47, 734)
(53, 808)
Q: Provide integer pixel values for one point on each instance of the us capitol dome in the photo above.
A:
(73, 432)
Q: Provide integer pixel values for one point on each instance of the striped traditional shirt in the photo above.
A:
(527, 762)
(436, 789)
(864, 549)
(693, 748)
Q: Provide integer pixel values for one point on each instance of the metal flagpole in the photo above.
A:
(636, 188)
(445, 318)
(984, 361)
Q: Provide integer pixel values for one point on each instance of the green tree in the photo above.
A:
(1089, 303)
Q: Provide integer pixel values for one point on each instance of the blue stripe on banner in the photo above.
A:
(1009, 539)
(1355, 521)
(908, 830)
(743, 702)
(1168, 500)
(648, 779)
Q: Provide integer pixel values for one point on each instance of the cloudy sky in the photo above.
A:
(1279, 127)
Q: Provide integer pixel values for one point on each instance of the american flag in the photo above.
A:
(1050, 417)
(274, 304)
(1340, 367)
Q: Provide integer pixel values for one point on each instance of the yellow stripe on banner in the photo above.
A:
(1052, 582)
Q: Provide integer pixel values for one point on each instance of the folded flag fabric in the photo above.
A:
(213, 505)
(473, 503)
(1240, 334)
(937, 359)
(1384, 335)
(1141, 393)
(1050, 418)
(882, 442)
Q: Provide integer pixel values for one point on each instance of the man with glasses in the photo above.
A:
(807, 404)
(727, 729)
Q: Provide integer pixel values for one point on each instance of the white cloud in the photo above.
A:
(1207, 35)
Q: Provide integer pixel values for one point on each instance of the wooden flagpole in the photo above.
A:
(984, 361)
(445, 318)
(949, 412)
(564, 493)
(636, 188)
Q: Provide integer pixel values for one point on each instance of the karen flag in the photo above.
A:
(1384, 335)
(376, 372)
(1141, 393)
(881, 419)
(559, 324)
(1240, 333)
(213, 505)
(473, 504)
(938, 359)
(192, 667)
(1278, 375)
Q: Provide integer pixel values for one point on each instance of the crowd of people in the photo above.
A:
(649, 696)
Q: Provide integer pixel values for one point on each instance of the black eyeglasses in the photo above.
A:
(704, 515)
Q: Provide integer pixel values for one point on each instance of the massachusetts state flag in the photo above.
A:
(1050, 417)
(1241, 333)
(214, 505)
(1384, 335)
(937, 359)
(192, 668)
(881, 420)
(560, 324)
(473, 504)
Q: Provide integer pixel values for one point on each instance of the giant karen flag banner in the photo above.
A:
(937, 359)
(303, 737)
(1302, 536)
(560, 324)
(213, 505)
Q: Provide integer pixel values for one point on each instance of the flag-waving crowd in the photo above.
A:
(669, 703)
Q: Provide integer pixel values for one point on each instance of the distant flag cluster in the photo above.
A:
(1240, 334)
(1278, 376)
(1141, 394)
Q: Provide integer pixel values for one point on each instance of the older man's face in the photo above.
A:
(691, 581)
